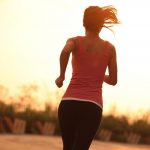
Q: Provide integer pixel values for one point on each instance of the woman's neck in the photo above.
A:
(90, 34)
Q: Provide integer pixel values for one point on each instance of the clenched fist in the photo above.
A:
(59, 81)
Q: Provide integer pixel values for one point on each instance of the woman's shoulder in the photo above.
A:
(75, 38)
(110, 48)
(109, 44)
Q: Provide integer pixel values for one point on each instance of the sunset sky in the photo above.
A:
(33, 33)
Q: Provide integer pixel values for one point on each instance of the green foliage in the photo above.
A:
(141, 127)
(116, 124)
(23, 108)
(8, 110)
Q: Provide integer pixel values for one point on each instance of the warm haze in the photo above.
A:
(33, 32)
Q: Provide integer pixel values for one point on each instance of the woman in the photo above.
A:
(80, 109)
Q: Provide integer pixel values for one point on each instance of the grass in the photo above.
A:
(120, 126)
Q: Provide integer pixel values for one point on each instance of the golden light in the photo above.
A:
(32, 34)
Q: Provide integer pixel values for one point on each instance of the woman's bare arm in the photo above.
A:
(112, 69)
(64, 57)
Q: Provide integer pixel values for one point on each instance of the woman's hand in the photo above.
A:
(59, 81)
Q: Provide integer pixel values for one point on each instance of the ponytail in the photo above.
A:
(97, 17)
(109, 16)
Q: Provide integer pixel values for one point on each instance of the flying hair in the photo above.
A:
(95, 17)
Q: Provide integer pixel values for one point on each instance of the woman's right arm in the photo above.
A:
(112, 69)
(64, 57)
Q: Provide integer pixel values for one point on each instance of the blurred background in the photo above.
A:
(32, 35)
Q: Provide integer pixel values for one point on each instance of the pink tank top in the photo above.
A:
(88, 73)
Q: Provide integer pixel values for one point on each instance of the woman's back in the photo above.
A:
(89, 62)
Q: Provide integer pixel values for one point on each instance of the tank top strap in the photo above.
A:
(78, 43)
(107, 44)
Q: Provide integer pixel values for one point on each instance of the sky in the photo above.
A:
(33, 33)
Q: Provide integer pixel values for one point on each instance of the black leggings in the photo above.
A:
(78, 122)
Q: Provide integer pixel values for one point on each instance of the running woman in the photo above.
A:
(80, 110)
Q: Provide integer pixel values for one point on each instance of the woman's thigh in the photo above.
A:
(78, 122)
(67, 124)
(86, 131)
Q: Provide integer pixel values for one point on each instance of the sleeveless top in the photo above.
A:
(88, 70)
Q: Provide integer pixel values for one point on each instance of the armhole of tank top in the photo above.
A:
(106, 44)
(77, 42)
(108, 47)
